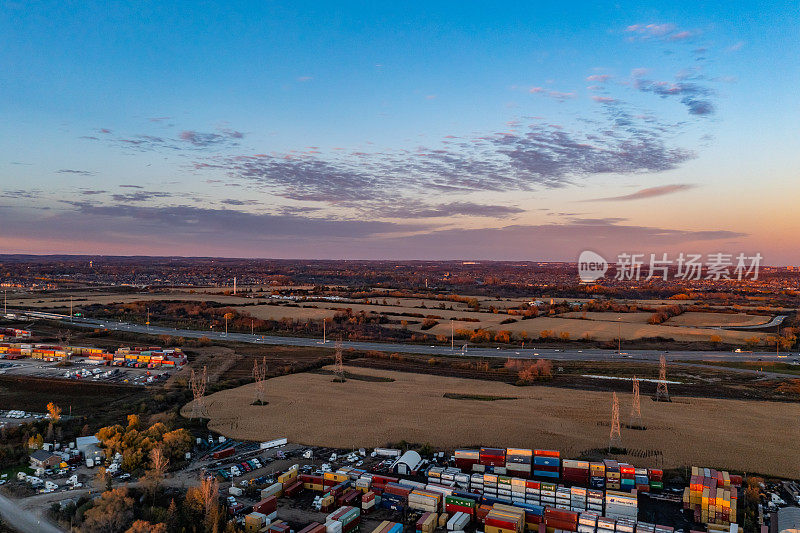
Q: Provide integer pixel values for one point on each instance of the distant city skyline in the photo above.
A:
(447, 130)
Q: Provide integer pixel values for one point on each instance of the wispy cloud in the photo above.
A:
(185, 140)
(203, 140)
(21, 194)
(735, 47)
(76, 172)
(651, 192)
(236, 201)
(140, 196)
(183, 230)
(695, 97)
(646, 31)
(412, 209)
(523, 159)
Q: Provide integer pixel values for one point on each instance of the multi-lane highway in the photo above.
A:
(566, 354)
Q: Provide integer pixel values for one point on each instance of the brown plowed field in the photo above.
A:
(310, 408)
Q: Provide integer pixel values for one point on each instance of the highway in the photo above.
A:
(556, 354)
(22, 520)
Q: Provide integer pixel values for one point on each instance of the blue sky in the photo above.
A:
(415, 130)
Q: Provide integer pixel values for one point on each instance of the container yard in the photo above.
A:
(134, 366)
(138, 357)
(8, 334)
(451, 498)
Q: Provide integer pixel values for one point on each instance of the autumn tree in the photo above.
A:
(54, 412)
(143, 526)
(35, 442)
(203, 500)
(113, 511)
(134, 422)
(154, 476)
(102, 479)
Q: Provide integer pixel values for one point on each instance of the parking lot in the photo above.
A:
(78, 369)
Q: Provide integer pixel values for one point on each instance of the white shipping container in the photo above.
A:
(458, 522)
(273, 443)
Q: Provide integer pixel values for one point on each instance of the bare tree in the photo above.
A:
(198, 383)
(159, 463)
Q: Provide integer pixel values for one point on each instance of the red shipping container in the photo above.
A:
(500, 522)
(558, 524)
(313, 527)
(453, 508)
(560, 514)
(266, 506)
(221, 454)
(481, 511)
(547, 453)
(293, 489)
(421, 521)
(397, 490)
(465, 464)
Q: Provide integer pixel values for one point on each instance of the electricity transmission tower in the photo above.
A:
(662, 394)
(339, 365)
(198, 383)
(260, 378)
(615, 437)
(636, 407)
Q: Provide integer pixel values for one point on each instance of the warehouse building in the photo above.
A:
(89, 447)
(407, 463)
(788, 519)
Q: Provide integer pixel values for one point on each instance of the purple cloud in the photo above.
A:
(651, 192)
(76, 172)
(204, 140)
(695, 97)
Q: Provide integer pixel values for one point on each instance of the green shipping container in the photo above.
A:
(457, 500)
(657, 485)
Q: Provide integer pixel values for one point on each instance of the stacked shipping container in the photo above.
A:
(712, 496)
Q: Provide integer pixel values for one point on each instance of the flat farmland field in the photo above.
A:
(717, 319)
(312, 409)
(602, 330)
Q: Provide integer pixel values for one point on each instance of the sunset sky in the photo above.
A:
(401, 130)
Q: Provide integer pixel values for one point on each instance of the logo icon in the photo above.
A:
(591, 266)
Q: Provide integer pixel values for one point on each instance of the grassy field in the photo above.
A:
(602, 330)
(310, 408)
(717, 319)
(597, 326)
